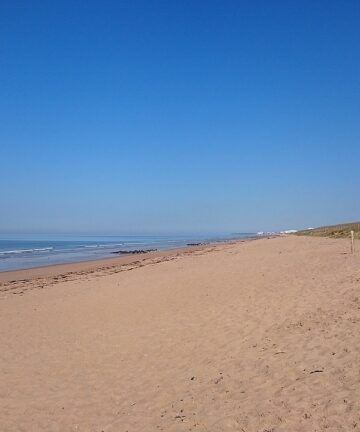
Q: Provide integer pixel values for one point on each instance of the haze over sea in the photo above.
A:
(36, 251)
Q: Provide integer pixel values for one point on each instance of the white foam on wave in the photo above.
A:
(107, 245)
(23, 251)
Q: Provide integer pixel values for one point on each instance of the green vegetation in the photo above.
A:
(334, 231)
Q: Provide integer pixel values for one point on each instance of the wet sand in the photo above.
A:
(249, 336)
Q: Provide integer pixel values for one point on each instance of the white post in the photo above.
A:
(352, 241)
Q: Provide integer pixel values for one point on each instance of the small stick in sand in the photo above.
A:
(352, 241)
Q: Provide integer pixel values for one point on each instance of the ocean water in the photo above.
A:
(28, 252)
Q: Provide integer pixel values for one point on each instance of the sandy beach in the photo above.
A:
(245, 336)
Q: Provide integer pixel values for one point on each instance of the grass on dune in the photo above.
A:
(334, 231)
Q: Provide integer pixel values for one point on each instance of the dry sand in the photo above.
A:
(253, 336)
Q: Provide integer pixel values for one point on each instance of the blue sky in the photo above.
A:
(178, 116)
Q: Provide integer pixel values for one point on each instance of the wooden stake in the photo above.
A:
(352, 242)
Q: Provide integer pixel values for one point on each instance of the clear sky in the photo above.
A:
(121, 117)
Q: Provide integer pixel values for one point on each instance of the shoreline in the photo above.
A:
(53, 270)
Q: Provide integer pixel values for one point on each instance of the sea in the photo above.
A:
(24, 252)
